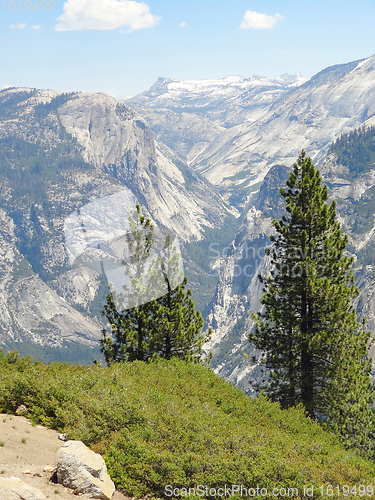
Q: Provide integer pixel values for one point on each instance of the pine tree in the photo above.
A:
(132, 327)
(313, 345)
(178, 324)
(168, 326)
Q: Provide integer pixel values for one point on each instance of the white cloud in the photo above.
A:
(256, 21)
(36, 27)
(105, 15)
(182, 25)
(20, 26)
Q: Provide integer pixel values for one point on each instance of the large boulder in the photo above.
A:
(14, 489)
(84, 471)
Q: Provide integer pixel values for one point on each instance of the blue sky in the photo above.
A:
(121, 47)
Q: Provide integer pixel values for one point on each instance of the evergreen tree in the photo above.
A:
(132, 327)
(168, 326)
(313, 345)
(178, 323)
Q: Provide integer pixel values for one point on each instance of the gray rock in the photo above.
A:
(14, 489)
(81, 469)
(243, 126)
(227, 101)
(239, 291)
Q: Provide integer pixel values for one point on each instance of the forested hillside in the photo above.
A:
(356, 150)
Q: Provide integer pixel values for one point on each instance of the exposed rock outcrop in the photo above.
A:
(239, 291)
(84, 471)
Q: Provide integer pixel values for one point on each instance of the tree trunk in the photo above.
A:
(307, 371)
(141, 354)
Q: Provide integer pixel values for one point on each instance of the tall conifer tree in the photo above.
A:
(132, 327)
(168, 326)
(315, 348)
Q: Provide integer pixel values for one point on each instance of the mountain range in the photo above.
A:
(205, 159)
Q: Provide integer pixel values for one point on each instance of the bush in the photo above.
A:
(171, 422)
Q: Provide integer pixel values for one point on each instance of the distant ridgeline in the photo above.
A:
(356, 150)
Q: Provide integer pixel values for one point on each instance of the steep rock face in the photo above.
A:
(239, 290)
(192, 117)
(185, 133)
(365, 304)
(44, 317)
(29, 308)
(266, 121)
(115, 139)
(231, 131)
(241, 267)
(10, 262)
(43, 180)
(107, 130)
(237, 273)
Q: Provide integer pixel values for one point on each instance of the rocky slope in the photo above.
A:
(206, 108)
(222, 101)
(239, 290)
(170, 127)
(116, 140)
(61, 156)
(264, 124)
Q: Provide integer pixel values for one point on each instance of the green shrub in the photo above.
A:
(179, 424)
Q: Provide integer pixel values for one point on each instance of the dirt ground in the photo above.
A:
(27, 451)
